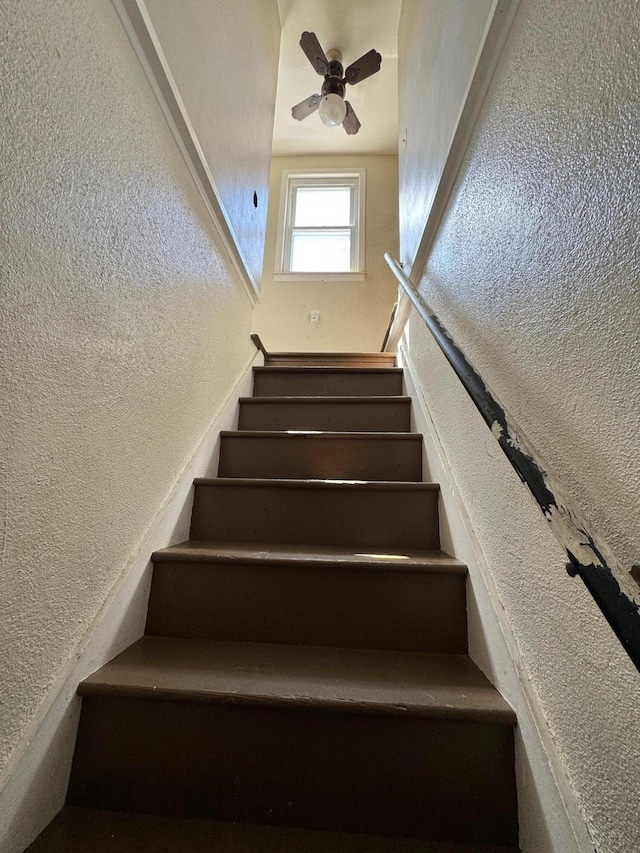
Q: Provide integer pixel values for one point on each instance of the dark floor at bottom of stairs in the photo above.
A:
(84, 830)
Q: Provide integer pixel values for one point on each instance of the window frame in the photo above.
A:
(292, 179)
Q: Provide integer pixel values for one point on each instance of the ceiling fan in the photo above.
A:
(331, 105)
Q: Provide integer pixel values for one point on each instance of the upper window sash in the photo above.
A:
(311, 179)
(335, 219)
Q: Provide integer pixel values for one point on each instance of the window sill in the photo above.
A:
(319, 276)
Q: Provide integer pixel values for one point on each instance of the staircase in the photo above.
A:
(303, 683)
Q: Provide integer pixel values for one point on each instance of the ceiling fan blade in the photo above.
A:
(363, 67)
(305, 108)
(315, 54)
(351, 123)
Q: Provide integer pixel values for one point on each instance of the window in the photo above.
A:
(321, 233)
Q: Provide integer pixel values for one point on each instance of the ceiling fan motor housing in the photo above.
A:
(333, 81)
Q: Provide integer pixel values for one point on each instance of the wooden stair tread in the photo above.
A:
(340, 370)
(400, 683)
(269, 554)
(317, 400)
(330, 354)
(77, 830)
(364, 485)
(324, 434)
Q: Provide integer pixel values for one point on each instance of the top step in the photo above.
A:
(330, 359)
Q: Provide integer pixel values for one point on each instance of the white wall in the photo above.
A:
(353, 315)
(438, 48)
(123, 328)
(535, 272)
(221, 56)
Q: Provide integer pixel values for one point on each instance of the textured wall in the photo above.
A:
(224, 58)
(122, 329)
(353, 315)
(535, 272)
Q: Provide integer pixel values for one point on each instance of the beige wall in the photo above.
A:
(535, 272)
(353, 315)
(123, 328)
(438, 45)
(224, 59)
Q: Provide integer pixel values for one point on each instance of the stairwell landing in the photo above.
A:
(303, 683)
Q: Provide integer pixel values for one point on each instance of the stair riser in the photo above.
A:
(310, 768)
(315, 457)
(394, 518)
(322, 606)
(326, 383)
(393, 416)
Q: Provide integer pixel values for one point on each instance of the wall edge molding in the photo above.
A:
(137, 24)
(530, 702)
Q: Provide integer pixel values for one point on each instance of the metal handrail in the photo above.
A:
(604, 579)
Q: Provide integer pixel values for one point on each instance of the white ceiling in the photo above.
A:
(353, 27)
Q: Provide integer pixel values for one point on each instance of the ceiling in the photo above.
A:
(353, 27)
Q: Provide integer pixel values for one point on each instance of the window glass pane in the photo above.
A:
(318, 206)
(329, 252)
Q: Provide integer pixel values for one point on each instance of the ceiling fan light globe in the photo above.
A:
(332, 110)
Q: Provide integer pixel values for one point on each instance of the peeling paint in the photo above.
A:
(621, 611)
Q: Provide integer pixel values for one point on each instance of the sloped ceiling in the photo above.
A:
(353, 27)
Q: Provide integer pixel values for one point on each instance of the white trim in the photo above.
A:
(494, 38)
(319, 276)
(137, 23)
(517, 686)
(33, 783)
(294, 177)
(405, 306)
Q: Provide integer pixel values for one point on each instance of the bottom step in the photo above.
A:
(339, 740)
(83, 830)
